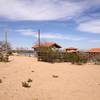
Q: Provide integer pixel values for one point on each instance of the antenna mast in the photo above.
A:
(6, 40)
(39, 38)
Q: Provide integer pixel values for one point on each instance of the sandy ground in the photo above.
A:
(74, 82)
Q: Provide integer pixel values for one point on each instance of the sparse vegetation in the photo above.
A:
(5, 51)
(29, 80)
(4, 57)
(1, 57)
(0, 80)
(3, 47)
(98, 84)
(55, 76)
(26, 84)
(33, 71)
(77, 58)
(48, 54)
(94, 58)
(35, 98)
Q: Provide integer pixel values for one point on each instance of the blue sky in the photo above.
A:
(70, 23)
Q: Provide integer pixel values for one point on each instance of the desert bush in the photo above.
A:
(0, 80)
(29, 80)
(4, 57)
(55, 76)
(97, 57)
(3, 47)
(1, 57)
(50, 55)
(83, 57)
(76, 58)
(45, 54)
(72, 57)
(26, 84)
(94, 58)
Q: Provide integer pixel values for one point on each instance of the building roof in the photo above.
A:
(48, 44)
(71, 48)
(94, 50)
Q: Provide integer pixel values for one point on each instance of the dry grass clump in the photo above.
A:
(0, 80)
(55, 76)
(29, 80)
(32, 71)
(35, 99)
(27, 83)
(98, 84)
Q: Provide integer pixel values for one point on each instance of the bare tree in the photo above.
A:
(3, 46)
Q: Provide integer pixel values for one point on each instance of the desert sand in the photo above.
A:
(73, 82)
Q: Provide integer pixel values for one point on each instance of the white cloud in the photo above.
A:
(39, 9)
(30, 32)
(44, 9)
(92, 26)
(27, 32)
(93, 2)
(95, 41)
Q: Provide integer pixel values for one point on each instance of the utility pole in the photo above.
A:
(6, 39)
(39, 44)
(39, 41)
(5, 55)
